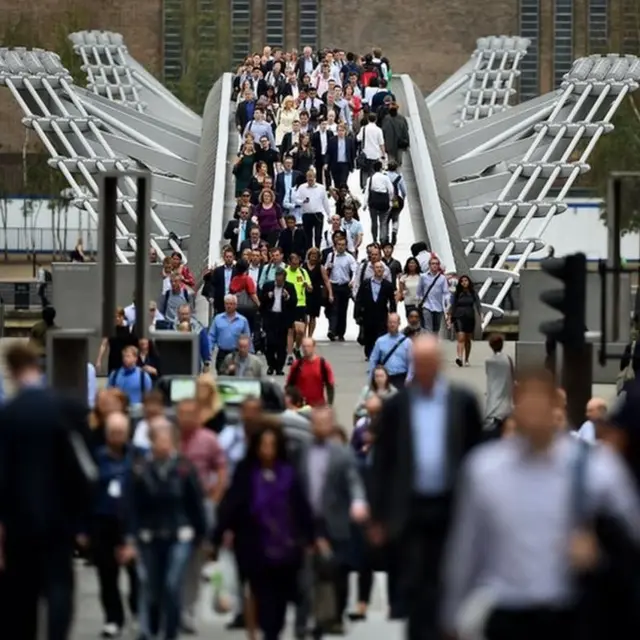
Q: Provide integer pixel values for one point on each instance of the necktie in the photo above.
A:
(243, 231)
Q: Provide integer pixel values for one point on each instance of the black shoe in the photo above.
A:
(357, 617)
(340, 338)
(331, 336)
(394, 238)
(269, 371)
(459, 362)
(236, 623)
(280, 372)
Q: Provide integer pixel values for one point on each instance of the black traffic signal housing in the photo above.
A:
(570, 301)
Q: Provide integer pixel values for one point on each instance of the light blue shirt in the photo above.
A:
(224, 331)
(429, 429)
(587, 431)
(341, 267)
(92, 386)
(342, 150)
(228, 274)
(352, 228)
(375, 289)
(438, 298)
(269, 273)
(287, 178)
(401, 359)
(260, 129)
(232, 441)
(402, 187)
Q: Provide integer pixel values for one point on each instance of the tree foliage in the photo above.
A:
(619, 151)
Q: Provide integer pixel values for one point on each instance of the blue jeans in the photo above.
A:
(161, 568)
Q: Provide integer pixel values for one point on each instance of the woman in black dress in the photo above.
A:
(465, 304)
(321, 287)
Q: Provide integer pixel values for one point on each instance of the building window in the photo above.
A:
(530, 29)
(274, 20)
(598, 26)
(562, 39)
(309, 24)
(630, 26)
(240, 30)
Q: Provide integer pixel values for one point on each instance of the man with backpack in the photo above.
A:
(398, 200)
(174, 298)
(312, 375)
(130, 378)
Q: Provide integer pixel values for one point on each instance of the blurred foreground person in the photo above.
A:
(272, 524)
(536, 512)
(46, 476)
(423, 433)
(165, 521)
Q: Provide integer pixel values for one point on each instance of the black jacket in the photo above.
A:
(289, 306)
(213, 287)
(332, 152)
(292, 241)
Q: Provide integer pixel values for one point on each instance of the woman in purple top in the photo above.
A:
(267, 511)
(270, 218)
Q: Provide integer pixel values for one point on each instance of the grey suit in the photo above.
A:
(342, 486)
(252, 369)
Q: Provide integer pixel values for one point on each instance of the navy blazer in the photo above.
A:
(280, 190)
(332, 152)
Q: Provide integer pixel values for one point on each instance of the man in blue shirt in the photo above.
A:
(130, 378)
(225, 330)
(393, 351)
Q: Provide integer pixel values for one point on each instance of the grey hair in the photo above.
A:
(231, 298)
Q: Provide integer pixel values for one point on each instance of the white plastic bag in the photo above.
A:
(224, 583)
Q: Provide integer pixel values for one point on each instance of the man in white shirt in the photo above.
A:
(596, 413)
(371, 141)
(378, 195)
(312, 198)
(433, 291)
(352, 227)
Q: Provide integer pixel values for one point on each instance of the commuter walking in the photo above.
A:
(411, 489)
(106, 535)
(269, 516)
(165, 521)
(462, 317)
(46, 480)
(392, 351)
(501, 381)
(433, 292)
(372, 148)
(378, 194)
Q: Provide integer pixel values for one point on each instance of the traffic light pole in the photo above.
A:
(577, 377)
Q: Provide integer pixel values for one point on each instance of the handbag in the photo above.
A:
(361, 160)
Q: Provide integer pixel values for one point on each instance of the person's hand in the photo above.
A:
(270, 294)
(323, 547)
(377, 534)
(82, 540)
(235, 231)
(285, 294)
(126, 553)
(227, 540)
(359, 511)
(330, 299)
(231, 369)
(307, 286)
(584, 552)
(98, 366)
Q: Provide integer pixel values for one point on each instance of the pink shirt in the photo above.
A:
(206, 455)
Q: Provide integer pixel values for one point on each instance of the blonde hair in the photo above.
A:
(207, 380)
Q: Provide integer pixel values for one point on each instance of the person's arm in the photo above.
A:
(104, 345)
(374, 358)
(354, 479)
(213, 335)
(331, 384)
(402, 188)
(218, 462)
(301, 195)
(326, 204)
(327, 283)
(231, 230)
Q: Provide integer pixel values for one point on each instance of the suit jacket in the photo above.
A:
(279, 185)
(343, 485)
(332, 152)
(213, 287)
(288, 306)
(231, 234)
(242, 118)
(317, 147)
(300, 66)
(292, 241)
(287, 90)
(253, 370)
(392, 474)
(286, 144)
(375, 311)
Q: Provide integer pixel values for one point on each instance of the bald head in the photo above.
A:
(427, 360)
(596, 409)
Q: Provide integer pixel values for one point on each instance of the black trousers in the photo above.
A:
(105, 539)
(312, 224)
(423, 543)
(276, 329)
(221, 354)
(372, 330)
(398, 380)
(531, 624)
(339, 308)
(324, 176)
(273, 590)
(366, 172)
(340, 174)
(36, 569)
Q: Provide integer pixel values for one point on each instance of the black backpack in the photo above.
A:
(397, 204)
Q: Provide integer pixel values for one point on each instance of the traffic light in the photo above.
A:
(570, 301)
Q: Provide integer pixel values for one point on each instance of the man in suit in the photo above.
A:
(290, 139)
(374, 303)
(320, 141)
(292, 239)
(421, 436)
(337, 496)
(253, 240)
(244, 111)
(286, 180)
(239, 230)
(341, 156)
(306, 63)
(46, 477)
(242, 363)
(216, 281)
(278, 302)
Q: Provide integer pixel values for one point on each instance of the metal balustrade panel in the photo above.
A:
(529, 67)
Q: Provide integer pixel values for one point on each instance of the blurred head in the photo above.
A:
(393, 323)
(378, 270)
(267, 446)
(129, 357)
(117, 429)
(23, 362)
(176, 283)
(228, 256)
(162, 438)
(413, 318)
(276, 255)
(596, 410)
(323, 422)
(207, 395)
(188, 415)
(536, 408)
(434, 265)
(373, 405)
(308, 347)
(244, 344)
(153, 404)
(496, 342)
(230, 303)
(294, 260)
(380, 379)
(144, 345)
(250, 413)
(427, 361)
(293, 398)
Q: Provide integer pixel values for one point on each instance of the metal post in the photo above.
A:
(107, 251)
(143, 211)
(577, 377)
(614, 220)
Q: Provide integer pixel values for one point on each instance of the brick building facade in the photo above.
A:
(428, 39)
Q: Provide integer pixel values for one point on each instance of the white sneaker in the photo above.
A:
(110, 630)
